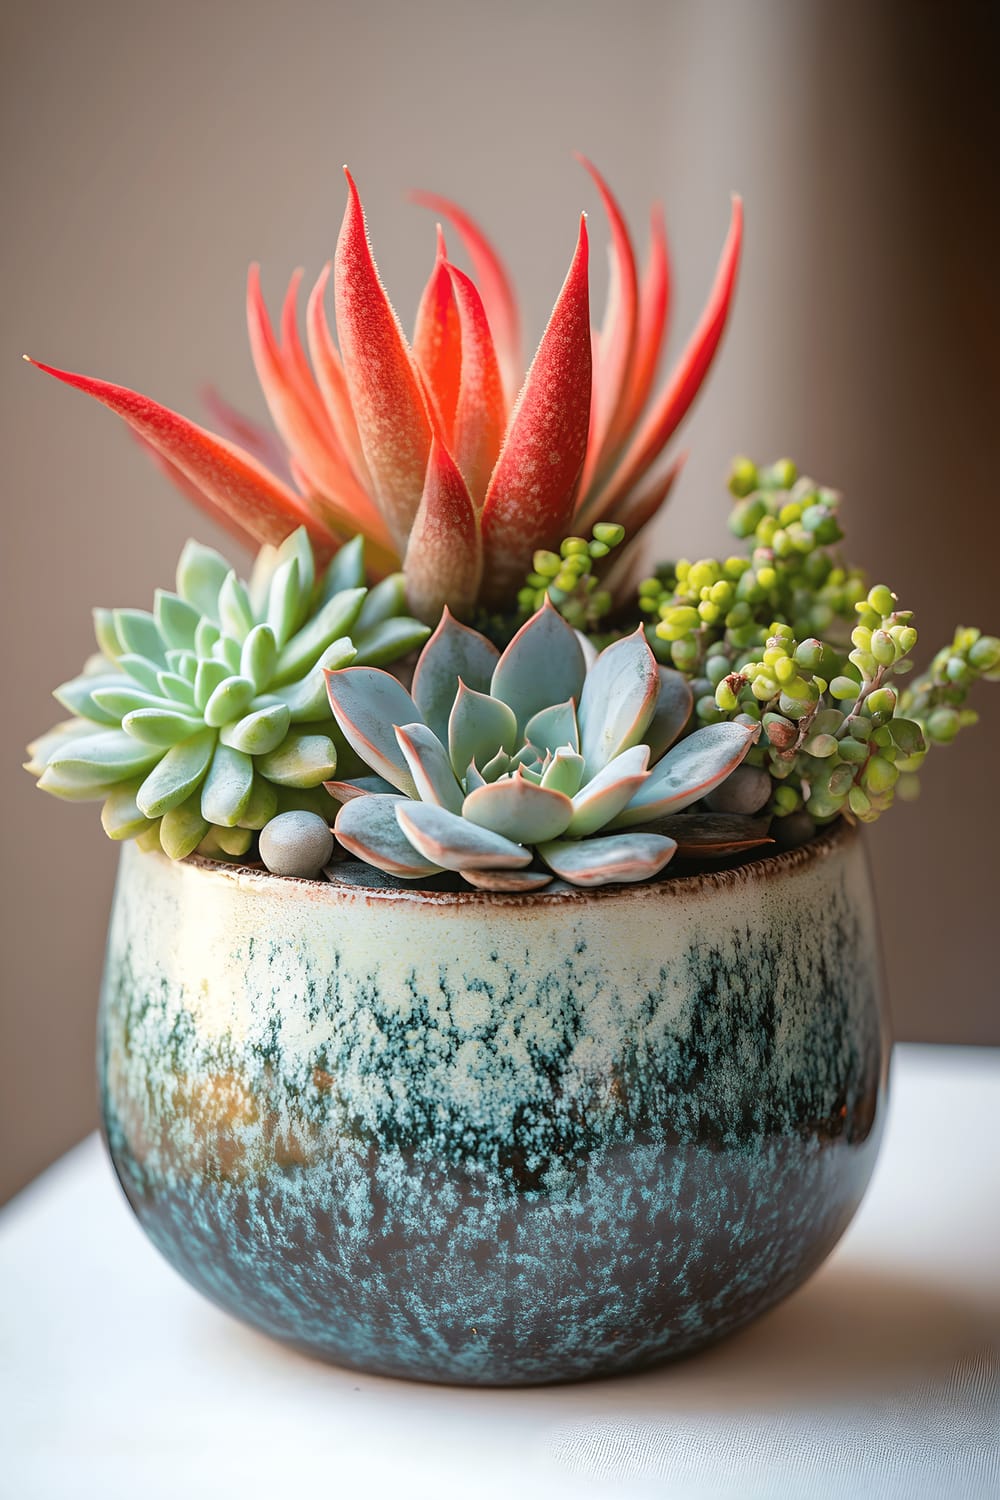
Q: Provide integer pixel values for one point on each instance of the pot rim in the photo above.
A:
(831, 840)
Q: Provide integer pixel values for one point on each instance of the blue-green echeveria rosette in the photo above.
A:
(546, 760)
(201, 720)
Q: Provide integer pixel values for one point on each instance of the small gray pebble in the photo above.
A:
(296, 843)
(745, 791)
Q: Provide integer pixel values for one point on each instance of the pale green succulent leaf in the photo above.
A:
(259, 732)
(176, 688)
(285, 601)
(184, 664)
(389, 641)
(210, 675)
(230, 842)
(229, 701)
(139, 634)
(106, 634)
(367, 828)
(674, 703)
(205, 637)
(382, 602)
(235, 612)
(201, 573)
(453, 652)
(298, 545)
(498, 766)
(618, 701)
(73, 785)
(149, 839)
(307, 699)
(123, 699)
(78, 697)
(429, 766)
(454, 843)
(121, 815)
(259, 657)
(478, 727)
(688, 772)
(543, 664)
(367, 705)
(228, 651)
(620, 858)
(472, 778)
(179, 773)
(44, 746)
(519, 810)
(303, 760)
(183, 828)
(103, 758)
(346, 571)
(553, 728)
(564, 773)
(176, 620)
(512, 881)
(142, 671)
(333, 622)
(603, 797)
(160, 727)
(261, 806)
(227, 787)
(259, 585)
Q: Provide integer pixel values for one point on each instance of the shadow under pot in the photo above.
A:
(493, 1139)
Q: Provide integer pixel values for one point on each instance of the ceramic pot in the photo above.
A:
(495, 1139)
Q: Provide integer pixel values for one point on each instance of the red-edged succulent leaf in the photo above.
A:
(453, 652)
(360, 786)
(542, 665)
(429, 766)
(618, 700)
(519, 810)
(494, 285)
(452, 841)
(443, 561)
(531, 495)
(481, 412)
(511, 881)
(382, 380)
(623, 857)
(616, 343)
(331, 379)
(437, 341)
(688, 772)
(367, 827)
(609, 791)
(231, 480)
(688, 376)
(367, 704)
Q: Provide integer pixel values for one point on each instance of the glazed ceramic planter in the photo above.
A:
(495, 1139)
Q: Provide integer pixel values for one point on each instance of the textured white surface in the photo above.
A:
(880, 1378)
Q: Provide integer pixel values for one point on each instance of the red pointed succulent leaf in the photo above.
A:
(332, 381)
(437, 341)
(530, 499)
(616, 342)
(687, 378)
(443, 561)
(654, 309)
(381, 377)
(481, 414)
(231, 480)
(494, 283)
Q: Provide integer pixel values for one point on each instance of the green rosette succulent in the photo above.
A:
(200, 721)
(548, 760)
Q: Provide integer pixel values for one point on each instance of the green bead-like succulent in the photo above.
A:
(201, 720)
(508, 769)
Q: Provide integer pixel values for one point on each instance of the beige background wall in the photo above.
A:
(151, 151)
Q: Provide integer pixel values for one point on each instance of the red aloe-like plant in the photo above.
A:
(439, 451)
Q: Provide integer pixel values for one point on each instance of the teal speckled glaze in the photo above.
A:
(495, 1139)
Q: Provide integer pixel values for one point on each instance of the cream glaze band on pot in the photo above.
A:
(495, 1139)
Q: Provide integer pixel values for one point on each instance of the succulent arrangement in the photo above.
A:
(560, 723)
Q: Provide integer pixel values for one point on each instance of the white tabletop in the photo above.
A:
(880, 1378)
